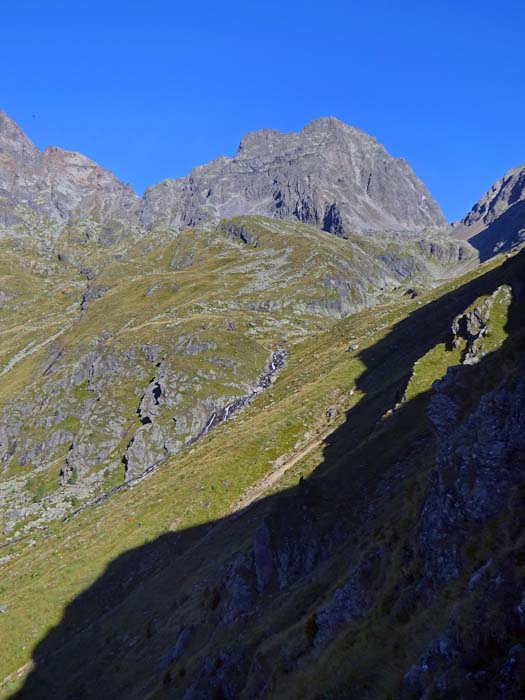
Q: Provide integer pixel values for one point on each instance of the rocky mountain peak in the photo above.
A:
(333, 128)
(62, 186)
(14, 144)
(504, 193)
(329, 174)
(497, 222)
(319, 130)
(255, 140)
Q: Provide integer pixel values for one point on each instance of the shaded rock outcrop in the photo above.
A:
(497, 222)
(478, 463)
(349, 603)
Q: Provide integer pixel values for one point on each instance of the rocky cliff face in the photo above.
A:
(497, 222)
(62, 186)
(330, 175)
(503, 194)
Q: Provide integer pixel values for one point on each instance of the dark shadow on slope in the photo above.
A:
(507, 231)
(112, 640)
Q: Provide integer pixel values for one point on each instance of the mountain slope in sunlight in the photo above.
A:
(115, 358)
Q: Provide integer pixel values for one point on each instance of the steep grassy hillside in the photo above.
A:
(115, 357)
(296, 551)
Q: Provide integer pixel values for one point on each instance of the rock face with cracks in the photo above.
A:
(329, 175)
(496, 223)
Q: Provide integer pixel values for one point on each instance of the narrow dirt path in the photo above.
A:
(258, 490)
(261, 487)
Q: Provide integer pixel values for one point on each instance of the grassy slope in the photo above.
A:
(280, 291)
(204, 483)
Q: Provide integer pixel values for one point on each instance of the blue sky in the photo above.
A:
(150, 89)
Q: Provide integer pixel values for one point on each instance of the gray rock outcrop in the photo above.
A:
(473, 326)
(349, 603)
(504, 193)
(497, 222)
(62, 186)
(478, 464)
(329, 175)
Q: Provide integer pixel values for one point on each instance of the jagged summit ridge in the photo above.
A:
(62, 186)
(14, 144)
(508, 190)
(497, 221)
(329, 175)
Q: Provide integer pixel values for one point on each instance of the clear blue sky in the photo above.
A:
(150, 89)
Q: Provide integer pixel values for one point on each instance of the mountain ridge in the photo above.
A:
(329, 174)
(302, 175)
(62, 186)
(496, 223)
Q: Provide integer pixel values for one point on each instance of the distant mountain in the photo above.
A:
(497, 222)
(62, 186)
(329, 175)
